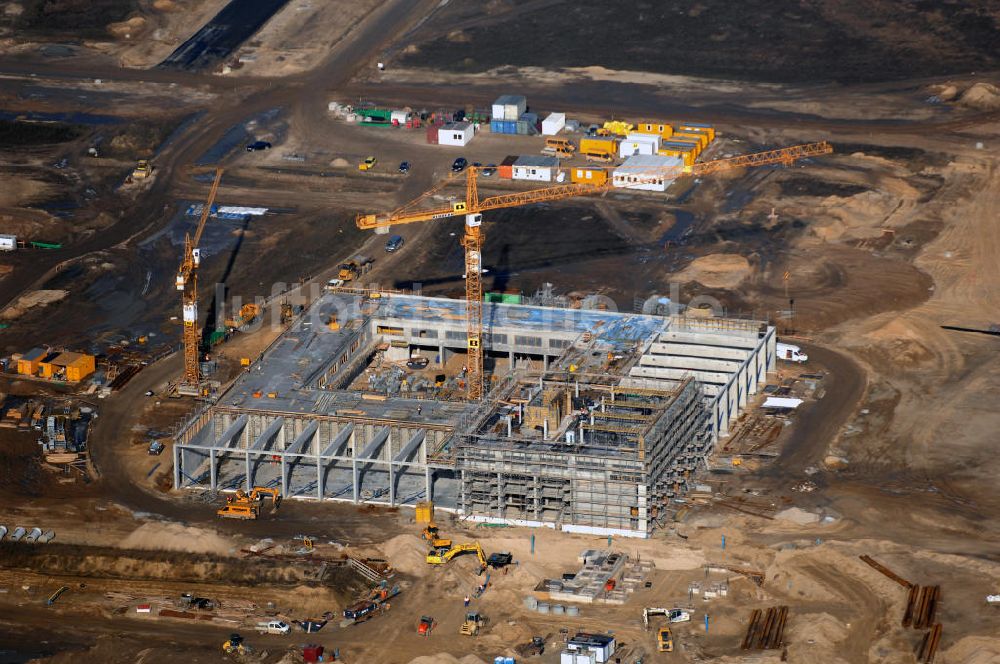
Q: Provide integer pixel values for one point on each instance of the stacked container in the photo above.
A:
(507, 112)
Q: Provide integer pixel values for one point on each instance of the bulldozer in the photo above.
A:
(474, 622)
(243, 505)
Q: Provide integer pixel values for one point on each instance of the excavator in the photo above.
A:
(443, 556)
(243, 505)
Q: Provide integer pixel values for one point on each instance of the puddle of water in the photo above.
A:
(71, 118)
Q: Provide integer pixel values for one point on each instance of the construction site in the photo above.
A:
(421, 332)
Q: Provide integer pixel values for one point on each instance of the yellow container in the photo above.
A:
(664, 130)
(599, 146)
(593, 176)
(708, 130)
(688, 156)
(425, 512)
(693, 137)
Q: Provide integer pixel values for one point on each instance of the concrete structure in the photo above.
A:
(588, 426)
(456, 133)
(537, 168)
(8, 242)
(647, 172)
(553, 124)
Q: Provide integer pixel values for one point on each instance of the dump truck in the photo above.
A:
(354, 268)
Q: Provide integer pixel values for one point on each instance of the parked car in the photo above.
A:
(273, 627)
(459, 165)
(258, 145)
(404, 167)
(489, 170)
(393, 243)
(156, 448)
(367, 164)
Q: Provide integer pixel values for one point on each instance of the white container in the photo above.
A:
(509, 107)
(399, 117)
(647, 172)
(8, 242)
(572, 611)
(543, 607)
(640, 136)
(630, 147)
(457, 134)
(553, 124)
(531, 603)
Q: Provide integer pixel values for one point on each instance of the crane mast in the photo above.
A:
(472, 240)
(187, 283)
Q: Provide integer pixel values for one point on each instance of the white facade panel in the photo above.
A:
(537, 173)
(457, 134)
(627, 147)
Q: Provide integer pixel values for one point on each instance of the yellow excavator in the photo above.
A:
(443, 556)
(243, 505)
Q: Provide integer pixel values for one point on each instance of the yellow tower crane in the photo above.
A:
(473, 207)
(187, 283)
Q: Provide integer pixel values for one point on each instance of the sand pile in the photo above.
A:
(797, 515)
(407, 553)
(972, 650)
(175, 537)
(339, 162)
(821, 628)
(717, 270)
(981, 95)
(445, 658)
(38, 298)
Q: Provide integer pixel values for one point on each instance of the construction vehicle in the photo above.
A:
(373, 603)
(430, 533)
(474, 622)
(367, 164)
(235, 645)
(142, 170)
(287, 312)
(426, 626)
(499, 560)
(187, 283)
(354, 268)
(443, 556)
(472, 209)
(664, 640)
(248, 314)
(246, 506)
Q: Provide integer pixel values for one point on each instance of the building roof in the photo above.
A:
(538, 161)
(511, 99)
(509, 160)
(456, 126)
(645, 163)
(67, 358)
(34, 354)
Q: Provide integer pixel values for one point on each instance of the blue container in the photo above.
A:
(498, 659)
(508, 660)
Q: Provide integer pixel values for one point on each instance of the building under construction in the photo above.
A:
(593, 421)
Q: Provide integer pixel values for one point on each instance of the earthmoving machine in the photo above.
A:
(354, 268)
(474, 622)
(442, 557)
(235, 645)
(187, 283)
(664, 637)
(426, 626)
(431, 534)
(248, 314)
(244, 505)
(142, 170)
(473, 207)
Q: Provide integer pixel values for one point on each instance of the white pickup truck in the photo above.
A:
(273, 627)
(791, 353)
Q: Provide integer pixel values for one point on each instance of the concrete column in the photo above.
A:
(319, 478)
(510, 359)
(177, 466)
(249, 488)
(354, 477)
(427, 483)
(545, 362)
(284, 477)
(392, 484)
(213, 471)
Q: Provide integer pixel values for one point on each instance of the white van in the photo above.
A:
(791, 353)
